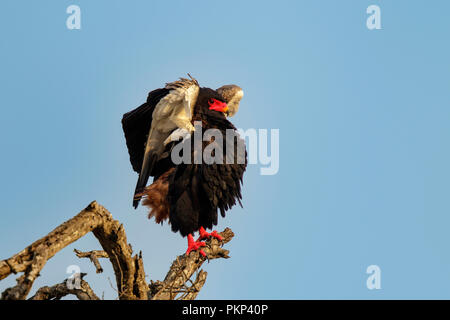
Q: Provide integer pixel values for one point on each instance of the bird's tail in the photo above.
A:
(137, 197)
(143, 179)
(139, 190)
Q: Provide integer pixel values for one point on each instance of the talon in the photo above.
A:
(206, 235)
(216, 235)
(195, 245)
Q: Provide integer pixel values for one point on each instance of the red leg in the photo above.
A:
(194, 245)
(206, 235)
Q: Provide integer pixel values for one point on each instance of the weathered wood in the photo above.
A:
(56, 292)
(128, 268)
(184, 267)
(93, 256)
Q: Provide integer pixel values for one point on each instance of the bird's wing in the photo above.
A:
(173, 111)
(136, 126)
(222, 183)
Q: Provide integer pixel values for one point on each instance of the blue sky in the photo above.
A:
(364, 129)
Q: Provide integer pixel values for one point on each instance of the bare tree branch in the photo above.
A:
(184, 267)
(93, 256)
(128, 269)
(192, 291)
(95, 218)
(56, 292)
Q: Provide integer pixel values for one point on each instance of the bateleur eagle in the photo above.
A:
(189, 195)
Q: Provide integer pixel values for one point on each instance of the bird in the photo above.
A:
(188, 195)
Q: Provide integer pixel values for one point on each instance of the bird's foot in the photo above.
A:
(195, 245)
(207, 235)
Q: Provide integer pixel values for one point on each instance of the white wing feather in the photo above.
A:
(174, 111)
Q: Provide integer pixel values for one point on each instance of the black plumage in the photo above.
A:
(136, 126)
(198, 191)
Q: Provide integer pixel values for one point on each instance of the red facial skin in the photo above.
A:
(217, 105)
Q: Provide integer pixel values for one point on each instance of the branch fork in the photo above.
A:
(128, 268)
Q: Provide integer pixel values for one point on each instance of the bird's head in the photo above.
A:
(232, 95)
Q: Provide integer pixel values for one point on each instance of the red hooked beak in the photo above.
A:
(217, 105)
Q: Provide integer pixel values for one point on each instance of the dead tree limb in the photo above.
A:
(109, 232)
(83, 291)
(184, 267)
(128, 268)
(93, 256)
